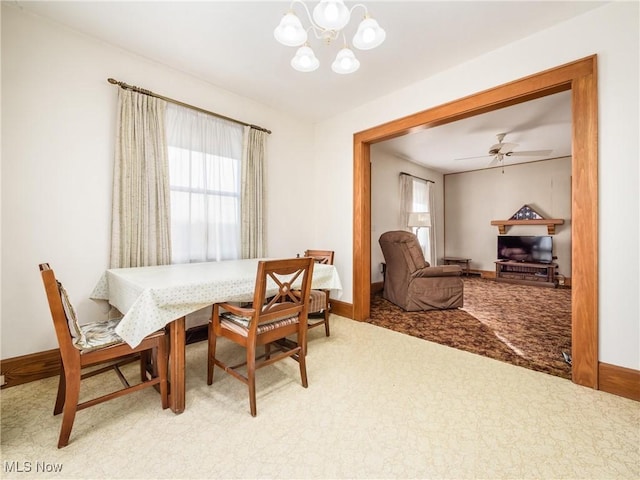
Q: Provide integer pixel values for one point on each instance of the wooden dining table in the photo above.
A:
(151, 298)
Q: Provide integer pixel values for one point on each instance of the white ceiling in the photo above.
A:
(230, 44)
(542, 124)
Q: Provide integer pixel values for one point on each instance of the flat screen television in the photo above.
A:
(531, 249)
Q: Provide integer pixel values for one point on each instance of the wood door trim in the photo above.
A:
(581, 78)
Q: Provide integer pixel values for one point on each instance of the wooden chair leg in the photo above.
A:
(161, 367)
(267, 351)
(144, 364)
(326, 322)
(61, 392)
(303, 368)
(251, 378)
(211, 353)
(327, 309)
(72, 394)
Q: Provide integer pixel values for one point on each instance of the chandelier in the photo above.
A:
(330, 17)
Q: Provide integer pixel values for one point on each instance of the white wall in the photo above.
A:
(473, 199)
(611, 32)
(58, 131)
(385, 202)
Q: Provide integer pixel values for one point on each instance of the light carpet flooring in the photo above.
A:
(380, 404)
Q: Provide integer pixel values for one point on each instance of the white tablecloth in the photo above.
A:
(151, 297)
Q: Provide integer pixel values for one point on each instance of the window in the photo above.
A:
(420, 203)
(417, 195)
(205, 155)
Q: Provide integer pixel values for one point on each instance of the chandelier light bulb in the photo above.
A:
(290, 32)
(305, 60)
(369, 35)
(345, 62)
(331, 14)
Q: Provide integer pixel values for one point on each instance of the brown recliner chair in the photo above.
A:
(411, 283)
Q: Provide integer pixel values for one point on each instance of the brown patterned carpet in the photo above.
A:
(518, 324)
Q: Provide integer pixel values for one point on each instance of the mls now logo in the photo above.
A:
(27, 466)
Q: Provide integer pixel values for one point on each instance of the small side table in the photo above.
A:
(463, 262)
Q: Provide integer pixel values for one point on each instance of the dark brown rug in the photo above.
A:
(523, 325)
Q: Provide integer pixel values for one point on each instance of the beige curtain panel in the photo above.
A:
(140, 231)
(406, 200)
(252, 214)
(433, 228)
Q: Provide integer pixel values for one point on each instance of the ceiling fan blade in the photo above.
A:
(471, 158)
(495, 161)
(530, 153)
(507, 147)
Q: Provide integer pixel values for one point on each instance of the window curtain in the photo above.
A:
(253, 194)
(432, 229)
(417, 195)
(140, 231)
(421, 204)
(406, 200)
(205, 153)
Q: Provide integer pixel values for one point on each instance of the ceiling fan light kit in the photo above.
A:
(329, 19)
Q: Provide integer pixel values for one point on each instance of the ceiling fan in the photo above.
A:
(506, 149)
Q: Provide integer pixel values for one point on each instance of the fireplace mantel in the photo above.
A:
(549, 222)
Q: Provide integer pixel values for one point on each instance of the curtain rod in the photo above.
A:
(151, 94)
(425, 179)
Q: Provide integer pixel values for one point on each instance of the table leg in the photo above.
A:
(177, 365)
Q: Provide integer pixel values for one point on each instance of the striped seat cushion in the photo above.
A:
(317, 301)
(240, 324)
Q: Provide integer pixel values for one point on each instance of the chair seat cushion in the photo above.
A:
(70, 313)
(90, 335)
(240, 324)
(317, 301)
(97, 335)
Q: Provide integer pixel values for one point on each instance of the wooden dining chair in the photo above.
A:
(319, 304)
(94, 345)
(276, 313)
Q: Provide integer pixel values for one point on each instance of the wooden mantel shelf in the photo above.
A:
(549, 222)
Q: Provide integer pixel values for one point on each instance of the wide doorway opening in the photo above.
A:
(580, 78)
